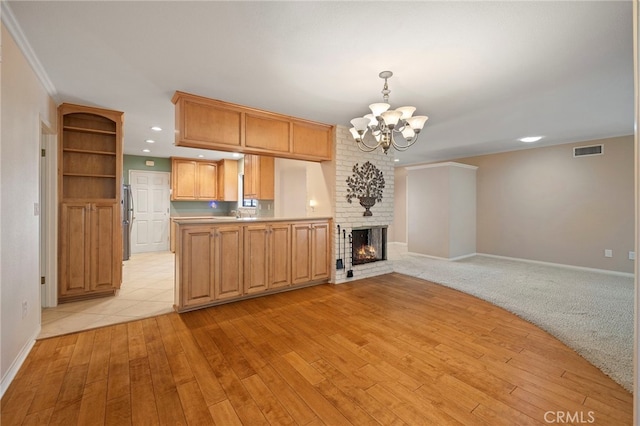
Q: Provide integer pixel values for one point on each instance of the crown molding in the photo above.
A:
(12, 25)
(445, 164)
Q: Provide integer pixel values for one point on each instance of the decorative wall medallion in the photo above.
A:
(366, 184)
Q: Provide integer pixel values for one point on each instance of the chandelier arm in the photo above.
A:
(368, 149)
(367, 145)
(403, 147)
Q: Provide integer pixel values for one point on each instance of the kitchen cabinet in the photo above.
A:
(205, 123)
(259, 177)
(228, 180)
(219, 262)
(280, 255)
(209, 264)
(310, 251)
(312, 140)
(267, 131)
(89, 259)
(193, 180)
(212, 124)
(268, 249)
(89, 194)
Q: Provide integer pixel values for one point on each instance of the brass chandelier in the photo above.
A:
(390, 128)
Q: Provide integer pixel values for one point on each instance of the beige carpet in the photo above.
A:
(590, 312)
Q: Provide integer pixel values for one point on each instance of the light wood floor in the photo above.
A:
(388, 350)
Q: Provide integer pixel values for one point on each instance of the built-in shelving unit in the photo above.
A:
(89, 171)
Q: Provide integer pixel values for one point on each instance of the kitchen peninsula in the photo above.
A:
(219, 260)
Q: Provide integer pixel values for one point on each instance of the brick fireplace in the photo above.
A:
(350, 215)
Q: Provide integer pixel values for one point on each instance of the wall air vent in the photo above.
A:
(586, 151)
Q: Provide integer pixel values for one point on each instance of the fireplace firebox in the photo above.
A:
(369, 245)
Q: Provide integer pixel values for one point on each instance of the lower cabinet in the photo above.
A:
(209, 266)
(224, 262)
(90, 258)
(310, 250)
(267, 253)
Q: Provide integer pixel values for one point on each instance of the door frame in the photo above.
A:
(48, 199)
(149, 172)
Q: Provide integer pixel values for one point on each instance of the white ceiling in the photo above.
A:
(486, 73)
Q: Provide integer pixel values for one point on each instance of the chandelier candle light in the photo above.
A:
(386, 124)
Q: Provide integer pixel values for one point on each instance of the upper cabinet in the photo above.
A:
(201, 180)
(259, 177)
(312, 140)
(204, 124)
(228, 180)
(193, 180)
(223, 126)
(267, 132)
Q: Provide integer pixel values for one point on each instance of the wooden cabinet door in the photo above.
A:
(228, 262)
(228, 180)
(207, 181)
(206, 124)
(259, 177)
(183, 179)
(256, 254)
(105, 257)
(313, 141)
(197, 265)
(267, 132)
(320, 251)
(249, 190)
(301, 253)
(75, 241)
(280, 255)
(265, 180)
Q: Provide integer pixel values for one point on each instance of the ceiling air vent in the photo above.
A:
(585, 151)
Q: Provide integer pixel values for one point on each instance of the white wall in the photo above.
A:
(25, 105)
(398, 228)
(296, 182)
(542, 204)
(462, 211)
(442, 210)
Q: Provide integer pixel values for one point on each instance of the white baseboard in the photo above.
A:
(17, 363)
(395, 243)
(560, 265)
(448, 259)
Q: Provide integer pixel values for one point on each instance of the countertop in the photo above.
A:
(192, 220)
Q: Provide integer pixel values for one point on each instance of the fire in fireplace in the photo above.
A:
(369, 244)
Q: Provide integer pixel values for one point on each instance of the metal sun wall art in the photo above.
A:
(366, 184)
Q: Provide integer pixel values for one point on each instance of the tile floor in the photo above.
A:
(147, 290)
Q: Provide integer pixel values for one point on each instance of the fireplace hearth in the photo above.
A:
(369, 245)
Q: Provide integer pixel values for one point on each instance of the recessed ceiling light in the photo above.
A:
(150, 141)
(146, 150)
(200, 156)
(530, 139)
(396, 159)
(156, 129)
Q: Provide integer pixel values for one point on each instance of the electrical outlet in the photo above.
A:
(632, 255)
(608, 253)
(25, 309)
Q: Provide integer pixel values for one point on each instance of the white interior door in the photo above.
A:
(150, 229)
